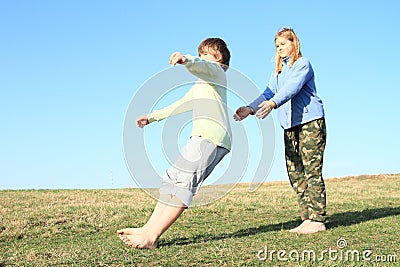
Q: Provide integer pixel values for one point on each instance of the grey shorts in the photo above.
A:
(196, 162)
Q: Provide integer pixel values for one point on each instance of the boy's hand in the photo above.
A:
(265, 108)
(177, 58)
(142, 121)
(242, 113)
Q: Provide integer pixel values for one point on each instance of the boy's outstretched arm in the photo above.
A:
(177, 58)
(242, 113)
(142, 121)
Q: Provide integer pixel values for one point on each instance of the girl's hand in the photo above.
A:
(142, 121)
(177, 58)
(242, 113)
(265, 108)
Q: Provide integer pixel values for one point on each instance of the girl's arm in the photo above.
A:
(266, 95)
(302, 72)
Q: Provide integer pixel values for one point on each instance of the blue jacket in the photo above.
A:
(294, 93)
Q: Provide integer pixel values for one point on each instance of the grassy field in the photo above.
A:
(78, 227)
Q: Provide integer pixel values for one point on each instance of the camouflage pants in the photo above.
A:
(304, 150)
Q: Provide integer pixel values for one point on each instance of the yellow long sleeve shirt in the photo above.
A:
(207, 101)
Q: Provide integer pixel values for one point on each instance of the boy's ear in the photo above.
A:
(219, 58)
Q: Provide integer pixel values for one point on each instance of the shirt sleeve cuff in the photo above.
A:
(256, 102)
(152, 117)
(189, 58)
(276, 101)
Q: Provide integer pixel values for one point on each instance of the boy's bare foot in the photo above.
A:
(130, 231)
(312, 228)
(139, 241)
(303, 224)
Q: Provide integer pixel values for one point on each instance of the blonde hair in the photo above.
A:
(290, 35)
(217, 47)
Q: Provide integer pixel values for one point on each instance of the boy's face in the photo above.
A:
(208, 55)
(284, 47)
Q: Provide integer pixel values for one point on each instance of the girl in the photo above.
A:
(292, 91)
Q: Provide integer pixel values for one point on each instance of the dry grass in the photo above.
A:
(77, 227)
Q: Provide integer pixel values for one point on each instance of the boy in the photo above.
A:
(209, 142)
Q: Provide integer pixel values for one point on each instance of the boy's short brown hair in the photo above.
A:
(217, 47)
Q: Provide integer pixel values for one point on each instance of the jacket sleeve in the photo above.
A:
(300, 75)
(266, 95)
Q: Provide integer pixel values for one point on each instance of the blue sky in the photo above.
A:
(69, 69)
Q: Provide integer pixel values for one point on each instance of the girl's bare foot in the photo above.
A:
(312, 228)
(303, 224)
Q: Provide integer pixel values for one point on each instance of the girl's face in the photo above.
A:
(284, 47)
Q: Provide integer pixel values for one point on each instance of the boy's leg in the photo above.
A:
(168, 208)
(164, 215)
(198, 159)
(312, 146)
(179, 185)
(157, 212)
